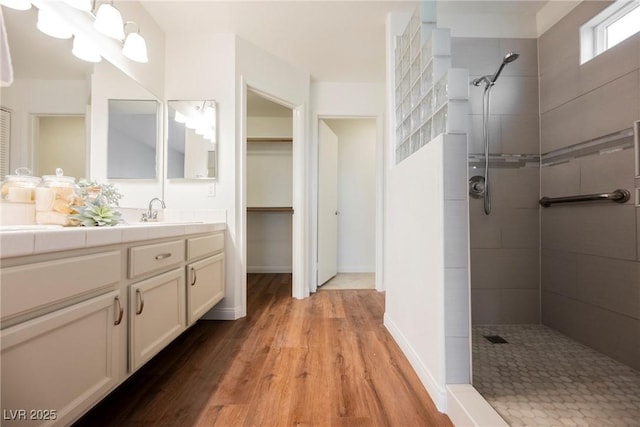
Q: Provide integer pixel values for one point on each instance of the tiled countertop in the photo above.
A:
(35, 241)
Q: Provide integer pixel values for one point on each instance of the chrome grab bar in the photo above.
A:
(618, 196)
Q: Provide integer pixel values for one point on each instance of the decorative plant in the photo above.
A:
(96, 213)
(91, 189)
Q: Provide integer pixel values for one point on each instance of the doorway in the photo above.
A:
(347, 203)
(269, 175)
(59, 141)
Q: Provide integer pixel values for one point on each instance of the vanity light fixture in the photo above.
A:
(17, 4)
(51, 25)
(109, 21)
(135, 48)
(83, 49)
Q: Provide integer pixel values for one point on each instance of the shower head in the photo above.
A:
(508, 58)
(489, 79)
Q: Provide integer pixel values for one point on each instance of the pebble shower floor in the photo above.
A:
(543, 378)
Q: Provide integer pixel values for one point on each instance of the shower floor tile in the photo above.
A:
(541, 377)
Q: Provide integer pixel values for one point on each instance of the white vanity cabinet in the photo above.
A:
(205, 278)
(57, 366)
(61, 357)
(76, 323)
(157, 304)
(156, 315)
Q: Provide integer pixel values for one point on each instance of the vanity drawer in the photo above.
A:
(208, 245)
(38, 286)
(160, 256)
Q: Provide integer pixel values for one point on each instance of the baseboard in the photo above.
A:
(437, 393)
(467, 407)
(224, 313)
(269, 269)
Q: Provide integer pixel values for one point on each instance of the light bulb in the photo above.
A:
(109, 22)
(17, 4)
(83, 49)
(135, 48)
(51, 25)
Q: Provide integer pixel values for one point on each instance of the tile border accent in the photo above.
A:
(615, 141)
(505, 161)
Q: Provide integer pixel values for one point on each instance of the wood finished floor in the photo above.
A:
(323, 361)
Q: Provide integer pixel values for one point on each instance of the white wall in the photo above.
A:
(108, 82)
(269, 174)
(356, 194)
(270, 127)
(219, 67)
(426, 252)
(210, 76)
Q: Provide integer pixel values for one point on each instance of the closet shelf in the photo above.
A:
(280, 209)
(269, 139)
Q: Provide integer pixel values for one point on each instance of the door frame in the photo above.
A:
(299, 265)
(379, 211)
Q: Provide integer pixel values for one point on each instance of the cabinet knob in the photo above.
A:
(163, 256)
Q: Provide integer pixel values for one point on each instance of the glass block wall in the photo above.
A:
(431, 98)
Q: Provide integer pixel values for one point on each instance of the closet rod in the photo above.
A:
(269, 139)
(280, 209)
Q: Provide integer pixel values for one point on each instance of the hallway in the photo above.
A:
(323, 361)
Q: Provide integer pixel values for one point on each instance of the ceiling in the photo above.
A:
(332, 40)
(335, 41)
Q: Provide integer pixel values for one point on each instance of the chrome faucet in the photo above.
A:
(151, 214)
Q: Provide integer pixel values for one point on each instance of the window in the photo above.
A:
(616, 23)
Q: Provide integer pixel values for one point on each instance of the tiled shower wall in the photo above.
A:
(590, 280)
(504, 245)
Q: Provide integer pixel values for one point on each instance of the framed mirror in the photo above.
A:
(132, 139)
(191, 140)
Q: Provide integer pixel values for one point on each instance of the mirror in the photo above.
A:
(191, 139)
(132, 139)
(47, 101)
(54, 90)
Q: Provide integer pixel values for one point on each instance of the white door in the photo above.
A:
(327, 204)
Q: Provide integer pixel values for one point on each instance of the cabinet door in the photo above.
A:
(58, 365)
(157, 315)
(205, 285)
